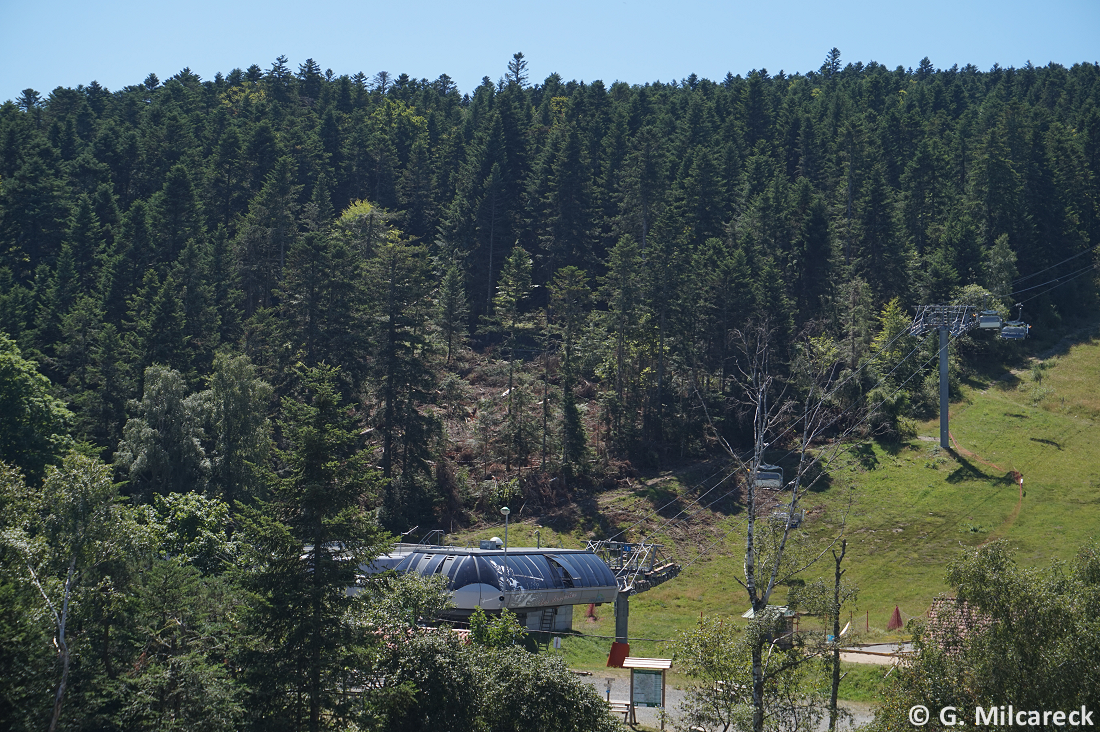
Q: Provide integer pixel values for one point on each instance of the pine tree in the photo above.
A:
(177, 214)
(452, 310)
(402, 375)
(639, 187)
(87, 242)
(306, 546)
(266, 234)
(571, 297)
(622, 291)
(322, 297)
(110, 385)
(517, 70)
(565, 223)
(508, 318)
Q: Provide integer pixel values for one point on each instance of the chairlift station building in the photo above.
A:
(540, 585)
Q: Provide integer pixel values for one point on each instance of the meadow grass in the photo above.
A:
(907, 510)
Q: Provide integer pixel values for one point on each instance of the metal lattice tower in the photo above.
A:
(953, 320)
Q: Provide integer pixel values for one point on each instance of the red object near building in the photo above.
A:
(619, 652)
(895, 620)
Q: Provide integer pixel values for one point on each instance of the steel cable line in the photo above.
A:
(873, 409)
(841, 414)
(1079, 273)
(1059, 264)
(675, 524)
(791, 452)
(708, 548)
(835, 388)
(1074, 275)
(843, 382)
(741, 459)
(835, 419)
(851, 376)
(883, 401)
(828, 463)
(705, 550)
(657, 510)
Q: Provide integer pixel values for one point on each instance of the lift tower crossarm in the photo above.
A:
(957, 319)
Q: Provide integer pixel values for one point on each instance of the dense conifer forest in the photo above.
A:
(298, 306)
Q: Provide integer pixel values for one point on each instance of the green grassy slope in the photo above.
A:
(913, 507)
(919, 505)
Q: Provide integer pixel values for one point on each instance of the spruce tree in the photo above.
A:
(305, 548)
(509, 319)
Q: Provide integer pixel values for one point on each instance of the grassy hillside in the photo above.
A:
(913, 507)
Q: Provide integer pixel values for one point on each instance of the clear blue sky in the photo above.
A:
(50, 43)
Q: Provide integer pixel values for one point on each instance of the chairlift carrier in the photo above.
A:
(989, 320)
(769, 476)
(1016, 330)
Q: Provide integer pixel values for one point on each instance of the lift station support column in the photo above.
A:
(622, 616)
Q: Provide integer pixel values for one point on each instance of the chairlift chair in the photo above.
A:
(769, 476)
(794, 520)
(989, 320)
(1015, 330)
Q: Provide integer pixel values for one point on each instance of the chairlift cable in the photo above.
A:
(829, 462)
(790, 452)
(657, 510)
(1059, 264)
(1077, 274)
(828, 395)
(708, 548)
(835, 419)
(1074, 275)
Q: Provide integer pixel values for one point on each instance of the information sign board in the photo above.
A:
(648, 687)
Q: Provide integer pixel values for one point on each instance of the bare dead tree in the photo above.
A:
(792, 412)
